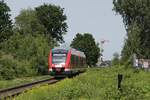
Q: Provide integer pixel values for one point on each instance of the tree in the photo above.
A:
(132, 43)
(11, 68)
(31, 52)
(53, 19)
(86, 43)
(136, 17)
(5, 22)
(27, 23)
(115, 59)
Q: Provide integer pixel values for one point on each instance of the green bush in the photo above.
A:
(11, 68)
(24, 56)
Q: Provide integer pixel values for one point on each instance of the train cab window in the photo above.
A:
(58, 58)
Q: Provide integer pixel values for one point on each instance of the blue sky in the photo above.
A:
(84, 16)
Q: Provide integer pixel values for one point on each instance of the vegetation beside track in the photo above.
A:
(97, 84)
(25, 45)
(20, 81)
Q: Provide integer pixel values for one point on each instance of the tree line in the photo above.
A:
(25, 44)
(136, 18)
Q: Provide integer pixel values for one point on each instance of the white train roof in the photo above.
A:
(73, 51)
(76, 52)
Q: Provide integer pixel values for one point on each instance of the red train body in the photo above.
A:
(66, 61)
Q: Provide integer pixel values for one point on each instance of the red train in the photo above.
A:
(66, 61)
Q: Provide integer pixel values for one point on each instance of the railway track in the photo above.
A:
(10, 92)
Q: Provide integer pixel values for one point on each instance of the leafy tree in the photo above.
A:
(132, 43)
(27, 23)
(11, 68)
(53, 19)
(136, 17)
(29, 49)
(5, 22)
(115, 59)
(86, 43)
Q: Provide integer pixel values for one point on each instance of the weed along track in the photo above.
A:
(14, 91)
(10, 92)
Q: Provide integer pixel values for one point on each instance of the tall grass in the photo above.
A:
(96, 84)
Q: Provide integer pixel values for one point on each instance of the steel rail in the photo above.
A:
(9, 92)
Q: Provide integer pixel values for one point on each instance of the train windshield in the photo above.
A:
(58, 58)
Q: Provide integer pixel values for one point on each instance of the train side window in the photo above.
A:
(76, 60)
(82, 61)
(72, 59)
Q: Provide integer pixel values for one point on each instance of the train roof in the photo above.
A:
(65, 50)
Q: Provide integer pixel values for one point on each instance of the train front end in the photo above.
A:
(59, 62)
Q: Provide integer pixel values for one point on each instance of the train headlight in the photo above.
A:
(53, 65)
(50, 69)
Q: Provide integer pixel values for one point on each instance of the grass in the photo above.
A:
(19, 81)
(96, 84)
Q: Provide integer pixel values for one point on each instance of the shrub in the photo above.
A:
(24, 56)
